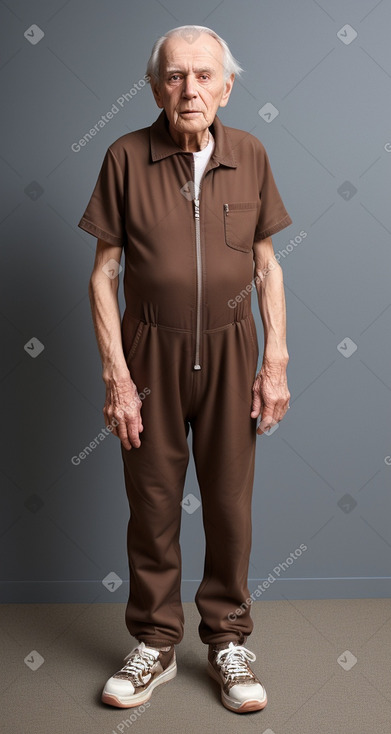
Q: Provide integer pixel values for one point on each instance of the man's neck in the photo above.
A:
(191, 143)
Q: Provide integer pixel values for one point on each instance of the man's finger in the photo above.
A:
(256, 405)
(122, 434)
(132, 428)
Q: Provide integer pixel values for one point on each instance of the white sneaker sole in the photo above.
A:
(136, 699)
(239, 707)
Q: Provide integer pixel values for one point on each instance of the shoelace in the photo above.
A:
(139, 661)
(234, 662)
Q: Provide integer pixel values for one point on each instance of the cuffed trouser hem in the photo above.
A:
(157, 642)
(224, 643)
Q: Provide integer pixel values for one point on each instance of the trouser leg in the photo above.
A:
(154, 477)
(224, 438)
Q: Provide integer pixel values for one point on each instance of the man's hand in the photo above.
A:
(270, 394)
(122, 410)
(122, 406)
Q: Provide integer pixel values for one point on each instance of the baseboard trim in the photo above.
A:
(94, 592)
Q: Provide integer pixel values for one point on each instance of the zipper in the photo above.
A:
(226, 208)
(197, 365)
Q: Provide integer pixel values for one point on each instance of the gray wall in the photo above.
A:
(323, 477)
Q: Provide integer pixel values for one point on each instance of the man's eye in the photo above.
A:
(174, 77)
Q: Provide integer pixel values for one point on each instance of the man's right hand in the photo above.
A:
(122, 410)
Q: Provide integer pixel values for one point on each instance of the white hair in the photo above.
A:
(230, 64)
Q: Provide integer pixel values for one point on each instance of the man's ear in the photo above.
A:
(156, 93)
(227, 90)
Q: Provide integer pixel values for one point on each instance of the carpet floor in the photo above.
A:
(326, 667)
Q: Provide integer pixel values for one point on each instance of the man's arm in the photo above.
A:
(122, 400)
(270, 388)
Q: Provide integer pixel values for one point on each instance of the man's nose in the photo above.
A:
(189, 87)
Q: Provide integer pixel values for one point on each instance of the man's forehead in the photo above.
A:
(204, 51)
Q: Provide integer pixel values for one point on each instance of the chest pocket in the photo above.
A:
(240, 221)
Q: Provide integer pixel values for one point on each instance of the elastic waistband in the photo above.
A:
(149, 314)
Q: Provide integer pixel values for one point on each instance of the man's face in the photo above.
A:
(192, 85)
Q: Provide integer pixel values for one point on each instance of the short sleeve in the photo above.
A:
(104, 215)
(273, 216)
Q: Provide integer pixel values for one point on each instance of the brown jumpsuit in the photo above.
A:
(188, 340)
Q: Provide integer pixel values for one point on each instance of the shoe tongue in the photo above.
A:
(222, 646)
(152, 650)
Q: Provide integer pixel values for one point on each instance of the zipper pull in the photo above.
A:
(197, 208)
(226, 208)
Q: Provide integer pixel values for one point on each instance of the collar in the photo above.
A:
(162, 144)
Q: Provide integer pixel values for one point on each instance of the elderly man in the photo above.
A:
(193, 204)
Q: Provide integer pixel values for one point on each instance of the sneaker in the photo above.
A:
(241, 691)
(145, 668)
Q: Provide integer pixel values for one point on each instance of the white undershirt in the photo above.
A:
(201, 158)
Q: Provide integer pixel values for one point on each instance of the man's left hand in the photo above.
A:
(270, 394)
